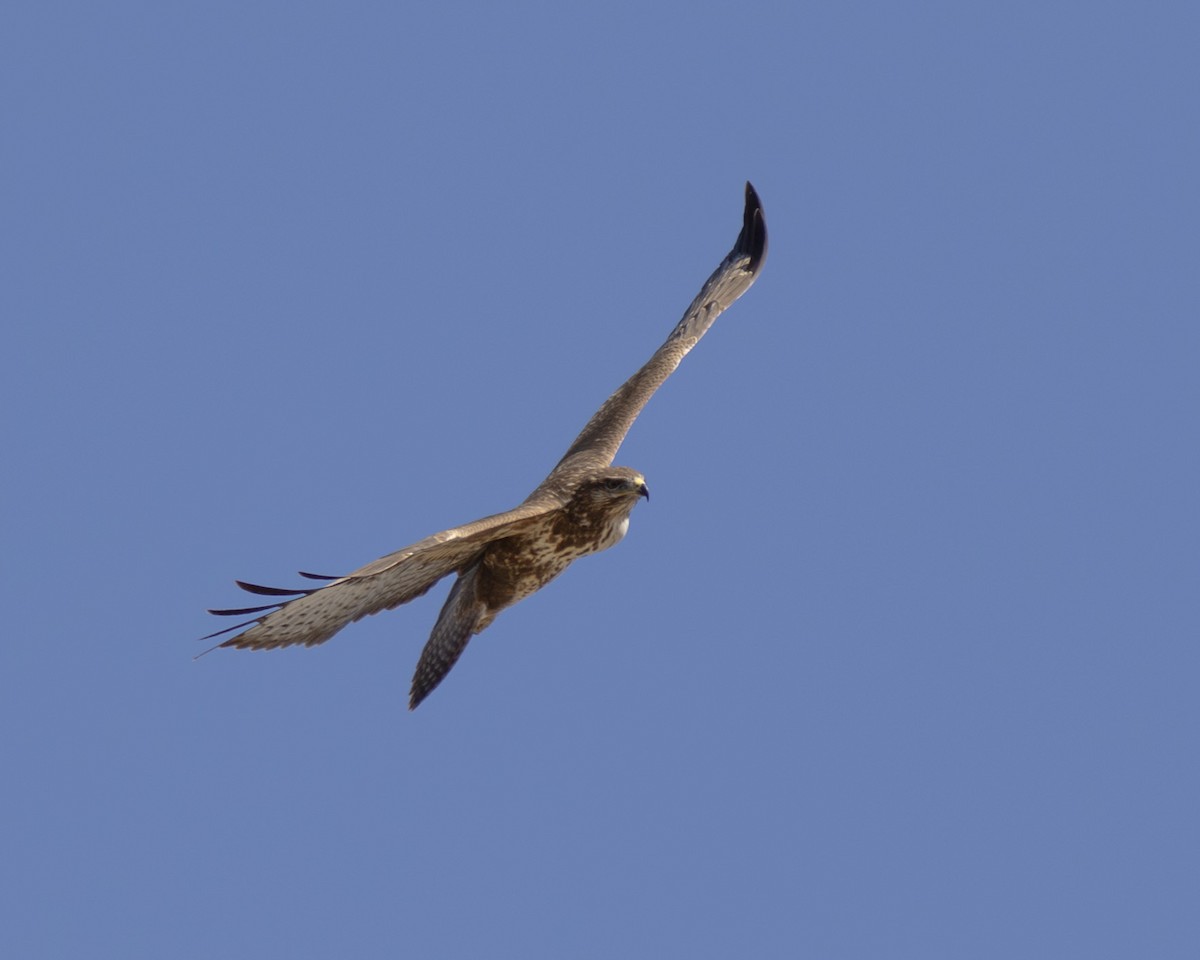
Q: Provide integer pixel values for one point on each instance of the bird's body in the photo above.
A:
(581, 508)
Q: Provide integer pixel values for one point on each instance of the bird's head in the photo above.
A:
(615, 487)
(600, 507)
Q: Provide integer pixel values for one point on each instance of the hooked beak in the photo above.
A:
(644, 491)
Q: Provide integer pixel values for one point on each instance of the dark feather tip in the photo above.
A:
(244, 611)
(262, 591)
(752, 241)
(220, 633)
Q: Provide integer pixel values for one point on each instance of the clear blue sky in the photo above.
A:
(902, 659)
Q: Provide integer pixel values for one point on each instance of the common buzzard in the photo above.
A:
(582, 507)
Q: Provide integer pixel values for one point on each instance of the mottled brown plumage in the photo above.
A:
(582, 507)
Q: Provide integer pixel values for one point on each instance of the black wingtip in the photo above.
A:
(418, 693)
(752, 241)
(259, 590)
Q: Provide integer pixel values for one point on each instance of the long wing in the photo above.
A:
(598, 443)
(314, 615)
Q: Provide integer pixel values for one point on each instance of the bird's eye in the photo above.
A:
(614, 483)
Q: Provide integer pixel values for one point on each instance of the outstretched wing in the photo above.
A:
(314, 615)
(598, 443)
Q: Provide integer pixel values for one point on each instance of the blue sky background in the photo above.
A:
(902, 659)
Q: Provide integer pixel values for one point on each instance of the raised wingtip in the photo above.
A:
(752, 241)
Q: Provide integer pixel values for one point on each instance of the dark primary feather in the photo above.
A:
(272, 591)
(242, 611)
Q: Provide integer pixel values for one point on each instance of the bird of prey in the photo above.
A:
(582, 507)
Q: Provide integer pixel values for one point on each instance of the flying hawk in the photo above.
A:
(582, 507)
